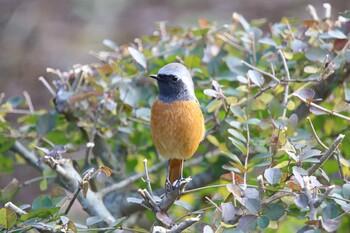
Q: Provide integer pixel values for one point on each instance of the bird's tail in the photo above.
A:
(175, 170)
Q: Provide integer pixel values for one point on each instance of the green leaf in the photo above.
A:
(8, 218)
(252, 205)
(192, 61)
(263, 222)
(256, 77)
(273, 175)
(40, 213)
(316, 54)
(274, 211)
(213, 140)
(42, 202)
(15, 101)
(45, 123)
(118, 222)
(138, 56)
(330, 211)
(237, 135)
(239, 145)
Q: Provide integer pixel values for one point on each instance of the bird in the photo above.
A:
(176, 122)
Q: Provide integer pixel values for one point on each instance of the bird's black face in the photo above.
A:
(172, 88)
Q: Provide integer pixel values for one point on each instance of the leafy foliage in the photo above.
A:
(255, 87)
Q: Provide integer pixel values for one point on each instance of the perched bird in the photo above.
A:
(177, 123)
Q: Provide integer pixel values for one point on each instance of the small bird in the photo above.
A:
(177, 123)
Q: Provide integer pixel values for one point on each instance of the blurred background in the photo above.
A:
(38, 34)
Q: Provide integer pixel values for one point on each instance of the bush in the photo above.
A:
(262, 165)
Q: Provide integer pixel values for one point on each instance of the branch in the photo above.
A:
(286, 85)
(322, 90)
(124, 183)
(117, 205)
(26, 154)
(326, 155)
(312, 104)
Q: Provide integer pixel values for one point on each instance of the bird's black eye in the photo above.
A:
(174, 78)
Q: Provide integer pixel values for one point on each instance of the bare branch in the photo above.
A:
(315, 134)
(286, 85)
(326, 155)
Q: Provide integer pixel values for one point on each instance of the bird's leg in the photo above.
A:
(168, 186)
(180, 181)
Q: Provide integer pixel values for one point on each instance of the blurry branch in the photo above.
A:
(26, 154)
(177, 228)
(119, 207)
(91, 143)
(286, 85)
(124, 183)
(322, 108)
(70, 179)
(315, 134)
(29, 101)
(322, 90)
(326, 155)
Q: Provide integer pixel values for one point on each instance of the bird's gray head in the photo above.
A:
(175, 83)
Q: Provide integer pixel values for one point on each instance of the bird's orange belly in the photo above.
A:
(177, 128)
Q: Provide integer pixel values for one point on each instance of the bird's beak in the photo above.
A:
(154, 76)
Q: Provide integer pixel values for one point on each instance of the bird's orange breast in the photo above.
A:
(177, 128)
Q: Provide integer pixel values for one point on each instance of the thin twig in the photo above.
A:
(286, 85)
(213, 203)
(148, 182)
(19, 111)
(312, 104)
(326, 155)
(80, 186)
(341, 173)
(261, 187)
(29, 101)
(36, 179)
(315, 134)
(47, 85)
(319, 200)
(91, 144)
(312, 11)
(124, 183)
(246, 157)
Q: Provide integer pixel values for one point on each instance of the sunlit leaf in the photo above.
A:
(298, 46)
(228, 212)
(307, 94)
(273, 175)
(237, 135)
(337, 34)
(315, 54)
(138, 56)
(256, 77)
(93, 220)
(8, 218)
(85, 188)
(317, 111)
